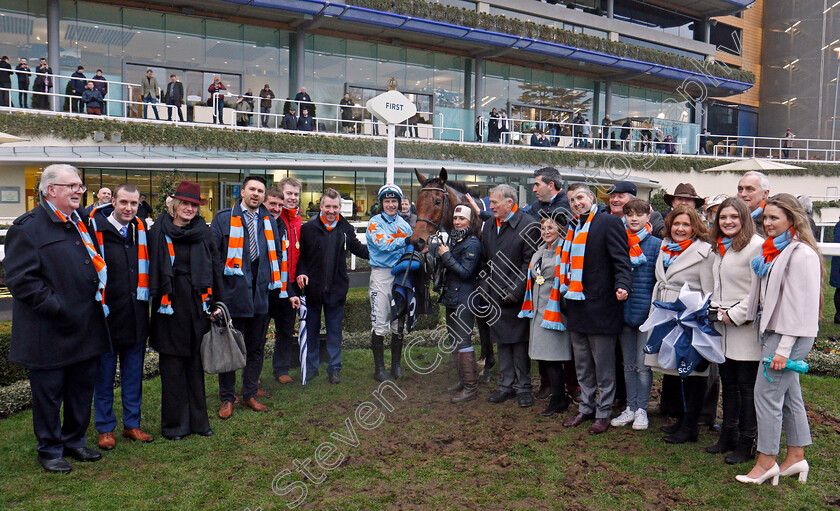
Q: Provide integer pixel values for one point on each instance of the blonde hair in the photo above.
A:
(172, 207)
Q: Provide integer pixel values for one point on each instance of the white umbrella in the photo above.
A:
(304, 348)
(5, 138)
(752, 164)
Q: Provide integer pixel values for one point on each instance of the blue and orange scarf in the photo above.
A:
(165, 302)
(770, 250)
(142, 253)
(671, 250)
(552, 318)
(634, 239)
(723, 245)
(236, 242)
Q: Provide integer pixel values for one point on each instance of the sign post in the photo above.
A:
(393, 108)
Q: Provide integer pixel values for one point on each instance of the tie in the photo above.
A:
(124, 231)
(252, 235)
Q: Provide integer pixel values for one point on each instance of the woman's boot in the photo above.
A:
(469, 376)
(458, 386)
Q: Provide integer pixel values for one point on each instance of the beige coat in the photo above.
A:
(545, 344)
(693, 266)
(734, 279)
(791, 304)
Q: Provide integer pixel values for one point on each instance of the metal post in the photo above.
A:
(300, 68)
(479, 87)
(54, 50)
(610, 9)
(707, 30)
(389, 165)
(834, 119)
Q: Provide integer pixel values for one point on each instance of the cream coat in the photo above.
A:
(734, 276)
(792, 293)
(545, 344)
(693, 266)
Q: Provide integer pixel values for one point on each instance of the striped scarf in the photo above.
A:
(724, 244)
(770, 250)
(759, 210)
(671, 250)
(634, 239)
(568, 273)
(236, 242)
(329, 226)
(165, 302)
(98, 261)
(499, 222)
(142, 253)
(552, 320)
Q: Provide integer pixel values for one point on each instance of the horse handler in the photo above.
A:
(386, 236)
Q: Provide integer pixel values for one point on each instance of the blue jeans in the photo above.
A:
(637, 376)
(265, 110)
(131, 382)
(333, 318)
(150, 99)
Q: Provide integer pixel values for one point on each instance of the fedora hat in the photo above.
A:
(687, 191)
(189, 192)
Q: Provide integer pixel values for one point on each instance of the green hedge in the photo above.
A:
(9, 372)
(357, 315)
(499, 23)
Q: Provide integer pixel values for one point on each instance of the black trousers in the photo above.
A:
(71, 385)
(5, 97)
(738, 382)
(183, 402)
(23, 98)
(284, 335)
(253, 331)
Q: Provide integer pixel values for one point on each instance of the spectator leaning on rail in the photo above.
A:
(289, 120)
(173, 97)
(754, 188)
(92, 99)
(305, 122)
(303, 100)
(217, 92)
(100, 83)
(266, 95)
(42, 84)
(386, 235)
(150, 93)
(77, 87)
(57, 281)
(5, 81)
(23, 78)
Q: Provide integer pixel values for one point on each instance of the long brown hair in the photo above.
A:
(699, 231)
(742, 239)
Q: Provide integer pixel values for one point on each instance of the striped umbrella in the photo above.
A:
(304, 349)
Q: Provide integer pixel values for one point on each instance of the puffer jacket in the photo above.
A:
(461, 263)
(637, 306)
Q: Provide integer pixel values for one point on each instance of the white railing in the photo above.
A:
(779, 148)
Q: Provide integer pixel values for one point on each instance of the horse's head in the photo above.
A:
(434, 208)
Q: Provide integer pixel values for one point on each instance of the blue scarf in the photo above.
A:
(770, 250)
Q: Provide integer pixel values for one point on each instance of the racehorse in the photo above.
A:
(435, 205)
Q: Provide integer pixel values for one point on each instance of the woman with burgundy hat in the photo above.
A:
(183, 274)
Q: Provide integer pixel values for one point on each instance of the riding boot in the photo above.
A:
(458, 386)
(469, 375)
(396, 355)
(745, 448)
(377, 345)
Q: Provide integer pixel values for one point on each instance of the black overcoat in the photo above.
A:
(506, 255)
(56, 320)
(312, 263)
(606, 268)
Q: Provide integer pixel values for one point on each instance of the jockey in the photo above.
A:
(386, 240)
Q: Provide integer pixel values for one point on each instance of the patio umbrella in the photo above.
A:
(752, 164)
(304, 348)
(6, 138)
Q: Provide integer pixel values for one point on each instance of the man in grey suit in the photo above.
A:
(150, 92)
(173, 97)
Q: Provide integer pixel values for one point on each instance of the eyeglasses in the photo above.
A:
(74, 187)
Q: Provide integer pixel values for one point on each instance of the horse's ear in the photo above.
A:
(420, 177)
(443, 176)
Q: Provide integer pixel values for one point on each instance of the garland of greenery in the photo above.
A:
(499, 23)
(75, 129)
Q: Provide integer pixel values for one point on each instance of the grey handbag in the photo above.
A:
(223, 347)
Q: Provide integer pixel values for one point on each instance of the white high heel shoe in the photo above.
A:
(800, 467)
(772, 473)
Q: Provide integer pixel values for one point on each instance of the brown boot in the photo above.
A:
(459, 385)
(469, 375)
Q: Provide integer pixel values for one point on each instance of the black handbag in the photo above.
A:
(223, 347)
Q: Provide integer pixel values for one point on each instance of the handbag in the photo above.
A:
(223, 347)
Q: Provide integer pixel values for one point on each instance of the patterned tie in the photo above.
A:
(250, 219)
(124, 231)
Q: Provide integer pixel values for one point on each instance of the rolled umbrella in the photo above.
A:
(304, 349)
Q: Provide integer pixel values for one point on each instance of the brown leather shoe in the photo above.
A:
(599, 426)
(255, 405)
(235, 399)
(577, 419)
(107, 441)
(260, 393)
(138, 435)
(285, 379)
(226, 410)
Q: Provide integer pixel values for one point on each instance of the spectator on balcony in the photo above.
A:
(606, 122)
(585, 133)
(242, 111)
(479, 129)
(347, 113)
(539, 139)
(504, 125)
(173, 97)
(23, 83)
(412, 125)
(217, 92)
(100, 83)
(788, 143)
(77, 88)
(493, 132)
(303, 100)
(43, 84)
(150, 92)
(626, 136)
(576, 129)
(305, 121)
(92, 99)
(249, 98)
(266, 95)
(290, 120)
(5, 81)
(704, 139)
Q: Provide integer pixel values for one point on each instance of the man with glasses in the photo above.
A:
(57, 280)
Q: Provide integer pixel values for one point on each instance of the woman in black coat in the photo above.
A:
(183, 284)
(461, 256)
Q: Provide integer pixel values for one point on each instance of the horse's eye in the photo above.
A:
(437, 202)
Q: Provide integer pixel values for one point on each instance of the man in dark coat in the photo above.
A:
(507, 243)
(144, 211)
(58, 325)
(289, 120)
(305, 122)
(247, 287)
(322, 277)
(5, 81)
(23, 78)
(548, 187)
(77, 88)
(173, 97)
(266, 95)
(493, 127)
(100, 83)
(594, 321)
(43, 83)
(121, 235)
(303, 100)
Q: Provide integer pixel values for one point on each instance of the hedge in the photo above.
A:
(9, 372)
(513, 26)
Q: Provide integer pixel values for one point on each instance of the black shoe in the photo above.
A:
(671, 428)
(525, 399)
(682, 436)
(555, 407)
(209, 432)
(726, 442)
(501, 396)
(744, 451)
(174, 438)
(334, 379)
(82, 454)
(55, 465)
(544, 393)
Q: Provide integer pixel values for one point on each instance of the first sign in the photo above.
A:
(391, 107)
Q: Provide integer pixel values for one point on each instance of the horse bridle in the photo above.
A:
(436, 226)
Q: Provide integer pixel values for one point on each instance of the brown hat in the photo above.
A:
(687, 191)
(189, 192)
